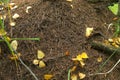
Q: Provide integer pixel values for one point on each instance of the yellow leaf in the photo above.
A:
(79, 57)
(15, 16)
(40, 54)
(82, 63)
(42, 64)
(88, 31)
(99, 59)
(69, 0)
(84, 55)
(2, 32)
(48, 76)
(14, 44)
(12, 24)
(74, 77)
(73, 68)
(81, 75)
(35, 62)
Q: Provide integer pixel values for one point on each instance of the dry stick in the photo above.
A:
(106, 48)
(107, 71)
(26, 66)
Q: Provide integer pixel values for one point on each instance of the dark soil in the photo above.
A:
(60, 28)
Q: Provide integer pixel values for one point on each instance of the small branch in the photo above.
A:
(107, 71)
(104, 47)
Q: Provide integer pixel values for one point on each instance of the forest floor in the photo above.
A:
(61, 28)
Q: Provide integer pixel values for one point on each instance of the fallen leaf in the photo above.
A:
(88, 31)
(40, 54)
(15, 16)
(69, 0)
(42, 64)
(14, 7)
(80, 58)
(74, 77)
(115, 18)
(11, 4)
(35, 62)
(82, 63)
(84, 55)
(3, 16)
(71, 6)
(29, 7)
(48, 76)
(14, 44)
(81, 75)
(99, 59)
(67, 53)
(12, 23)
(73, 68)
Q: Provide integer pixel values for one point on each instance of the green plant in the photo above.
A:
(116, 11)
(5, 38)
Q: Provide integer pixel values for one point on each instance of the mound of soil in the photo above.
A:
(60, 27)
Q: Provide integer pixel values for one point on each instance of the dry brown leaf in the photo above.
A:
(40, 54)
(67, 53)
(15, 56)
(81, 75)
(48, 76)
(42, 64)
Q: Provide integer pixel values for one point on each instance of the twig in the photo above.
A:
(107, 71)
(106, 48)
(28, 68)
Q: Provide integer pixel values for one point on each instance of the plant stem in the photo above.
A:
(118, 9)
(106, 61)
(37, 39)
(69, 74)
(107, 71)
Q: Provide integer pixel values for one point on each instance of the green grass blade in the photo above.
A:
(36, 39)
(69, 74)
(106, 61)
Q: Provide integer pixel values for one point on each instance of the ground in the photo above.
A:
(61, 29)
